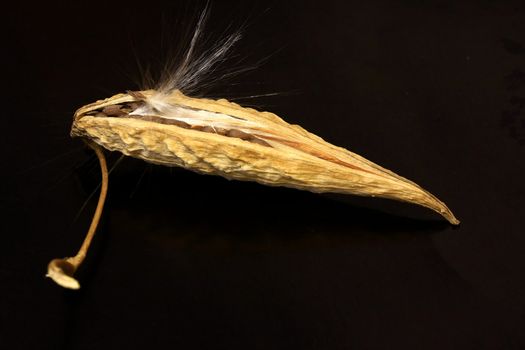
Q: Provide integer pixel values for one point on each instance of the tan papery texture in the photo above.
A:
(296, 158)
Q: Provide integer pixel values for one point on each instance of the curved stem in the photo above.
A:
(62, 270)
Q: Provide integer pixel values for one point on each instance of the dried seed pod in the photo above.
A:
(240, 143)
(218, 137)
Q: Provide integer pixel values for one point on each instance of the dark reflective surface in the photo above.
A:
(433, 92)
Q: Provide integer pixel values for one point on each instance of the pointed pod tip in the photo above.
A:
(447, 214)
(454, 221)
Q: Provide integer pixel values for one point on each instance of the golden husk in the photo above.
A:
(298, 159)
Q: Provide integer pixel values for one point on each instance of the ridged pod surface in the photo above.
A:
(273, 152)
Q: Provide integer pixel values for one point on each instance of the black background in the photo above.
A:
(432, 90)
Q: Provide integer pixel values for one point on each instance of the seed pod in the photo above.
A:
(219, 137)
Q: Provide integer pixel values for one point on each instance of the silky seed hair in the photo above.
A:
(217, 137)
(188, 76)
